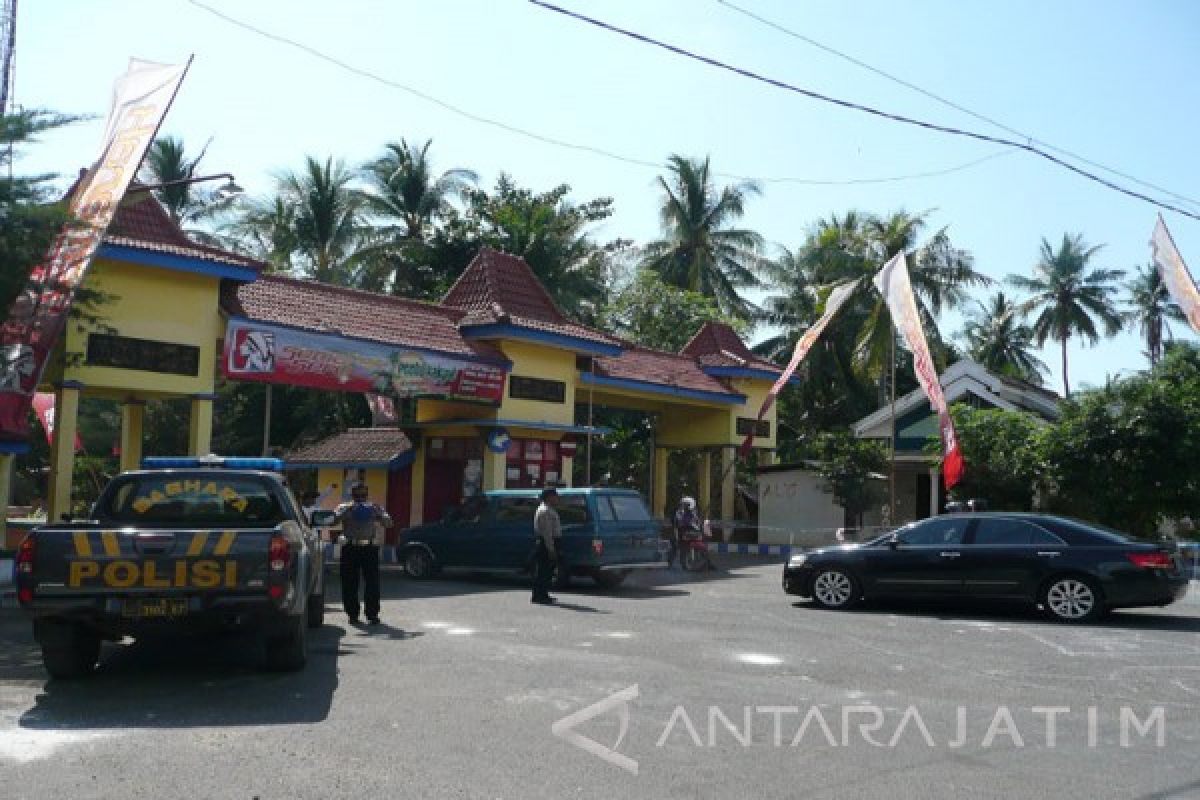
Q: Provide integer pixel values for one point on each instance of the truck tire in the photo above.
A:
(75, 656)
(611, 578)
(289, 651)
(316, 610)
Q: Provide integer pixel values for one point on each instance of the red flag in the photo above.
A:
(893, 283)
(43, 406)
(837, 298)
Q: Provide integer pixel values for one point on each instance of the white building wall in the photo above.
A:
(794, 509)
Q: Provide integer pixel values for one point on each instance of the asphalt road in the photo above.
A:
(456, 695)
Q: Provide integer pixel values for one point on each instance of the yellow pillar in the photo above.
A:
(416, 515)
(568, 469)
(132, 416)
(704, 483)
(494, 466)
(660, 481)
(62, 451)
(728, 481)
(200, 429)
(768, 458)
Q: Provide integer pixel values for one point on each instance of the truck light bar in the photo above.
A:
(230, 462)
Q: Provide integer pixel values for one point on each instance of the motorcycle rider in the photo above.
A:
(685, 521)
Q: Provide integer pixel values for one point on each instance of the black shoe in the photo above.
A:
(354, 620)
(373, 620)
(544, 601)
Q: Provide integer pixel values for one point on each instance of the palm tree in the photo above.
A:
(701, 251)
(998, 338)
(167, 162)
(327, 223)
(1151, 307)
(1068, 297)
(403, 189)
(266, 228)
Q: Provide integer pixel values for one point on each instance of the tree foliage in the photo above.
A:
(847, 465)
(1003, 453)
(651, 313)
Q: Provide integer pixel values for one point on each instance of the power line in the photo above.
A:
(779, 84)
(513, 129)
(948, 103)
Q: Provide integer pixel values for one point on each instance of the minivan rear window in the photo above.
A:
(629, 508)
(572, 509)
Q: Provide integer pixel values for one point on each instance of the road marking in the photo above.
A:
(459, 631)
(435, 625)
(759, 659)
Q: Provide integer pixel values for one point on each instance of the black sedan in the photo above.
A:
(1074, 570)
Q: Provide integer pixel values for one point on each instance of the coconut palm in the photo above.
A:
(266, 229)
(701, 251)
(328, 220)
(167, 161)
(1069, 298)
(403, 190)
(1150, 308)
(998, 338)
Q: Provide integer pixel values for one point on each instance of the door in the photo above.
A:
(399, 502)
(925, 560)
(1007, 557)
(443, 486)
(508, 541)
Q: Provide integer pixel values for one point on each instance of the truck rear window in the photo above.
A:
(629, 508)
(192, 501)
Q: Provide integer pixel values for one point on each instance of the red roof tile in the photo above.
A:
(323, 308)
(654, 366)
(355, 446)
(498, 288)
(718, 345)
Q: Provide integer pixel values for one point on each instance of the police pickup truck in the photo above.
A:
(184, 545)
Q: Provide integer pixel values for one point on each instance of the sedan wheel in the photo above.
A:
(833, 588)
(1072, 599)
(418, 564)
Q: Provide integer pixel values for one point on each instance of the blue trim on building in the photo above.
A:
(513, 423)
(508, 331)
(747, 372)
(727, 398)
(401, 461)
(474, 359)
(14, 448)
(153, 258)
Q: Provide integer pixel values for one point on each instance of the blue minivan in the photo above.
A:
(607, 533)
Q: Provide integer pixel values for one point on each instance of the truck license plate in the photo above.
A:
(156, 608)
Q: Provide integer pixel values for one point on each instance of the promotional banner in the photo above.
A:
(383, 410)
(833, 304)
(36, 320)
(272, 353)
(1175, 273)
(893, 283)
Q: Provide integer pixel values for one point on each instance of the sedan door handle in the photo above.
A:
(949, 554)
(1049, 553)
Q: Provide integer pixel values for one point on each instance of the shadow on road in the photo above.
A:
(982, 611)
(181, 683)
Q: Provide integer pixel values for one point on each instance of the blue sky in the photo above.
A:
(1116, 82)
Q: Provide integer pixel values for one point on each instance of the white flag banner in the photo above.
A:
(1175, 274)
(893, 283)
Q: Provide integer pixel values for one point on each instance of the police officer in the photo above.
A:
(547, 532)
(362, 523)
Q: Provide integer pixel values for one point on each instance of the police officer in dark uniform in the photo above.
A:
(362, 533)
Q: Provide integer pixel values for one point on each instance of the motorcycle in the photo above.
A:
(693, 551)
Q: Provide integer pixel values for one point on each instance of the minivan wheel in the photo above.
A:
(835, 588)
(610, 578)
(1072, 598)
(418, 564)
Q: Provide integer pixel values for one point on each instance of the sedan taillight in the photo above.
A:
(1151, 560)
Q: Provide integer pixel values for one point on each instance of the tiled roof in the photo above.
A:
(718, 345)
(323, 308)
(654, 366)
(497, 288)
(142, 223)
(355, 446)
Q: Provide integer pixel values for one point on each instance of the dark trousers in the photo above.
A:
(543, 570)
(364, 559)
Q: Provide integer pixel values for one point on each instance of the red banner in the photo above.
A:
(43, 407)
(275, 354)
(36, 320)
(833, 304)
(893, 283)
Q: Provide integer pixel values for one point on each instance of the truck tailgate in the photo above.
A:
(95, 561)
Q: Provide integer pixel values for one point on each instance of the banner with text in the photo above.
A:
(36, 320)
(893, 283)
(1175, 273)
(257, 351)
(833, 304)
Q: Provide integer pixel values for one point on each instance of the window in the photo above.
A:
(1012, 531)
(629, 508)
(935, 532)
(203, 500)
(533, 463)
(516, 509)
(604, 510)
(572, 509)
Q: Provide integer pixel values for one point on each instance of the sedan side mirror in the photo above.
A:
(323, 519)
(894, 543)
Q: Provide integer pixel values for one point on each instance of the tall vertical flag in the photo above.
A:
(36, 320)
(383, 409)
(833, 304)
(1175, 274)
(43, 407)
(893, 283)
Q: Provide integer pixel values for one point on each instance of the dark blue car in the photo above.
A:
(607, 533)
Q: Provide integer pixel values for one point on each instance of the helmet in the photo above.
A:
(688, 503)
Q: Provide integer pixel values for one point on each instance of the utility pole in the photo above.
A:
(8, 44)
(892, 469)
